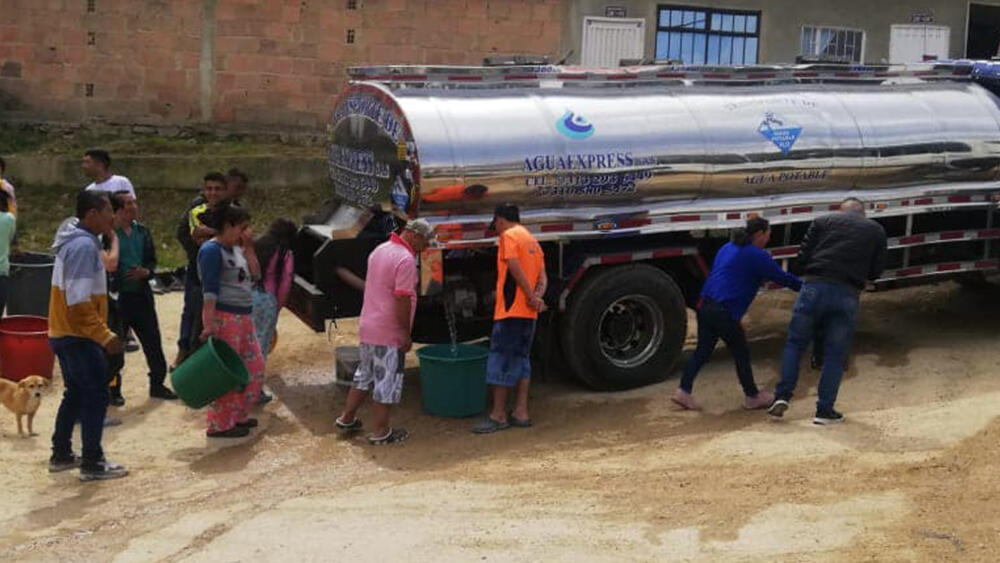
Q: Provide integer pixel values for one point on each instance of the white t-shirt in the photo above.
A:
(113, 184)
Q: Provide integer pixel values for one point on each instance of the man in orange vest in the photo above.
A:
(521, 283)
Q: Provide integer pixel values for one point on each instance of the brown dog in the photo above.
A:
(23, 398)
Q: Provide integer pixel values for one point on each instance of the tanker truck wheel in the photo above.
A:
(624, 328)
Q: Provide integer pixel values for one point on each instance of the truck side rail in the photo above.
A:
(712, 214)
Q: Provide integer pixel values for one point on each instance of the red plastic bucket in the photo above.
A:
(24, 347)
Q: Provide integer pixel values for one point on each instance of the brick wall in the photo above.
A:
(244, 63)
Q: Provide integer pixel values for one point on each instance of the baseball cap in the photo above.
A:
(507, 211)
(420, 227)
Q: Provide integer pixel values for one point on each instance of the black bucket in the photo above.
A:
(30, 284)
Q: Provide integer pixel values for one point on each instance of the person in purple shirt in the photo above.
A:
(737, 273)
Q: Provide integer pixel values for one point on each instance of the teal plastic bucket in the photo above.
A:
(453, 381)
(212, 371)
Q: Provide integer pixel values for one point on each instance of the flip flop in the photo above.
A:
(489, 426)
(517, 422)
(346, 428)
(395, 436)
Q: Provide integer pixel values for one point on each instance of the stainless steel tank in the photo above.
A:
(441, 151)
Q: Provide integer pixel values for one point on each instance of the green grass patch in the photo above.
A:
(41, 210)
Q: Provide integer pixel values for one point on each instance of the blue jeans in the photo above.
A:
(85, 397)
(829, 308)
(715, 323)
(190, 332)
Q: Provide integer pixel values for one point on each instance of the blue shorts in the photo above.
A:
(510, 352)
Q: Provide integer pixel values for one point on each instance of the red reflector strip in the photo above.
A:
(847, 74)
(685, 218)
(959, 199)
(557, 227)
(632, 223)
(986, 264)
(731, 216)
(835, 207)
(804, 209)
(785, 251)
(571, 76)
(914, 239)
(399, 77)
(952, 235)
(989, 233)
(923, 201)
(616, 258)
(949, 267)
(668, 253)
(905, 203)
(909, 272)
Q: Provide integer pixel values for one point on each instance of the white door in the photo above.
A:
(608, 40)
(916, 43)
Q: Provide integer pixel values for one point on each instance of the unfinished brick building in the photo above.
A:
(239, 63)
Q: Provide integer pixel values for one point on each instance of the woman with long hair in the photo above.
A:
(274, 250)
(226, 267)
(737, 273)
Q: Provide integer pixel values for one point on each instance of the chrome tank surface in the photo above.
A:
(439, 151)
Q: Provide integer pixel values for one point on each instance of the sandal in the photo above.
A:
(394, 436)
(345, 428)
(517, 422)
(490, 426)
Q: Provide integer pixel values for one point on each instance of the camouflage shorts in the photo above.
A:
(381, 371)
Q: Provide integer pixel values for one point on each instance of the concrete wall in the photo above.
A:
(782, 21)
(247, 63)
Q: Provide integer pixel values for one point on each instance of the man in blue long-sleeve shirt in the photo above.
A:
(737, 273)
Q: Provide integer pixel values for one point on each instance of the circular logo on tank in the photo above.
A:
(574, 126)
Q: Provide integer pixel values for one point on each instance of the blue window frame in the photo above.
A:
(699, 36)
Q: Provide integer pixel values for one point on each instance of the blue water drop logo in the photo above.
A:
(574, 126)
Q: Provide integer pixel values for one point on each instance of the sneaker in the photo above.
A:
(102, 471)
(264, 398)
(762, 400)
(778, 408)
(162, 392)
(685, 400)
(58, 465)
(131, 345)
(827, 416)
(234, 432)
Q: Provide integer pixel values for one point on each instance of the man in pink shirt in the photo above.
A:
(384, 330)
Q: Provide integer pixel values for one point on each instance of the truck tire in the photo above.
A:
(624, 328)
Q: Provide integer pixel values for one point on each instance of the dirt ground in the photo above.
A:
(616, 477)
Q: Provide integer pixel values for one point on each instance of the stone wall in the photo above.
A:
(238, 63)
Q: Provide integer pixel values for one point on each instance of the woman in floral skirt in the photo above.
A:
(227, 266)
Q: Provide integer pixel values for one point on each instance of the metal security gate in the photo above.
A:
(608, 40)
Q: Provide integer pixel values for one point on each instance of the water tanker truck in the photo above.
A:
(632, 178)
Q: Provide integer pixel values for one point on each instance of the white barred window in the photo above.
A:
(834, 43)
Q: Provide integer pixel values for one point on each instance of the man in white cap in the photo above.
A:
(384, 330)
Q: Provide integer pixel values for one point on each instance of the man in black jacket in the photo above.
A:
(136, 305)
(839, 254)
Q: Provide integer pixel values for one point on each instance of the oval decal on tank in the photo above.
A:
(574, 126)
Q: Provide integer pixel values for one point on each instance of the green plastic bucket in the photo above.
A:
(211, 372)
(453, 383)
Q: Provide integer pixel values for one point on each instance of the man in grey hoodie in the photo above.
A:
(79, 335)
